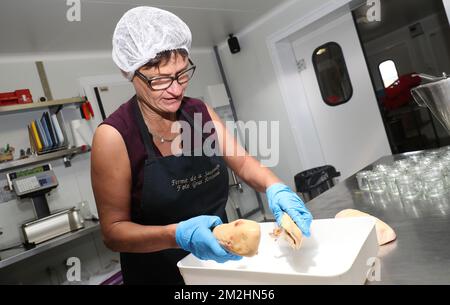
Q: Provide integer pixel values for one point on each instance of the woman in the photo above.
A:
(156, 204)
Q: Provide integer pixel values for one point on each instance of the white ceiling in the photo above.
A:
(29, 26)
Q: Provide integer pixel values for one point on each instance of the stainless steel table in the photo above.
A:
(421, 253)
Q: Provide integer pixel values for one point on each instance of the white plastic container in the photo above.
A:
(339, 251)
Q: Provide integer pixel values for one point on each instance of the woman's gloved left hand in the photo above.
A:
(195, 235)
(282, 199)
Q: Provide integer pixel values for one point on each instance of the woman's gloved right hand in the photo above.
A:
(195, 235)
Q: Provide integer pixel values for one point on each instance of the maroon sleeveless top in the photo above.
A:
(123, 119)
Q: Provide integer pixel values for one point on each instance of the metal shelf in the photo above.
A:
(39, 105)
(12, 256)
(69, 153)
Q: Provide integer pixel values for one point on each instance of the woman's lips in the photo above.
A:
(171, 101)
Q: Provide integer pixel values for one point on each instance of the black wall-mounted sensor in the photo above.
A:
(233, 43)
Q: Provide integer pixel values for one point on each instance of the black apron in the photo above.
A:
(175, 188)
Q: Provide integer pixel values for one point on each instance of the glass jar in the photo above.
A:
(433, 183)
(390, 178)
(376, 182)
(361, 178)
(409, 187)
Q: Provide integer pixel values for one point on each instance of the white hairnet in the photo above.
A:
(142, 33)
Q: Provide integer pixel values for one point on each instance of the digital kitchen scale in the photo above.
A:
(35, 183)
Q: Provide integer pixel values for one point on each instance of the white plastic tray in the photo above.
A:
(338, 252)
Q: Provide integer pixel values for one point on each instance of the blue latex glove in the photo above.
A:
(283, 199)
(195, 235)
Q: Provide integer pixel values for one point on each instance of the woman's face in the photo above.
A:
(168, 100)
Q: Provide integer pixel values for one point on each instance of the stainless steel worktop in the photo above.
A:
(421, 253)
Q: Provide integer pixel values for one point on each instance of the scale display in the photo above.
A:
(32, 180)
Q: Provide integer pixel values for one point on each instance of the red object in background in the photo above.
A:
(91, 111)
(86, 110)
(399, 93)
(22, 96)
(333, 99)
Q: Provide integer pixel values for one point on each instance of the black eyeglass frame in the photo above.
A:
(173, 78)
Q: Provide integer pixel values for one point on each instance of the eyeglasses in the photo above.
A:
(164, 82)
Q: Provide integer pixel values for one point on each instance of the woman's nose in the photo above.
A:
(175, 88)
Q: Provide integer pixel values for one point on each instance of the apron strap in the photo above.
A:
(191, 122)
(147, 137)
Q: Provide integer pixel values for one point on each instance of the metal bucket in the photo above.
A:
(435, 96)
